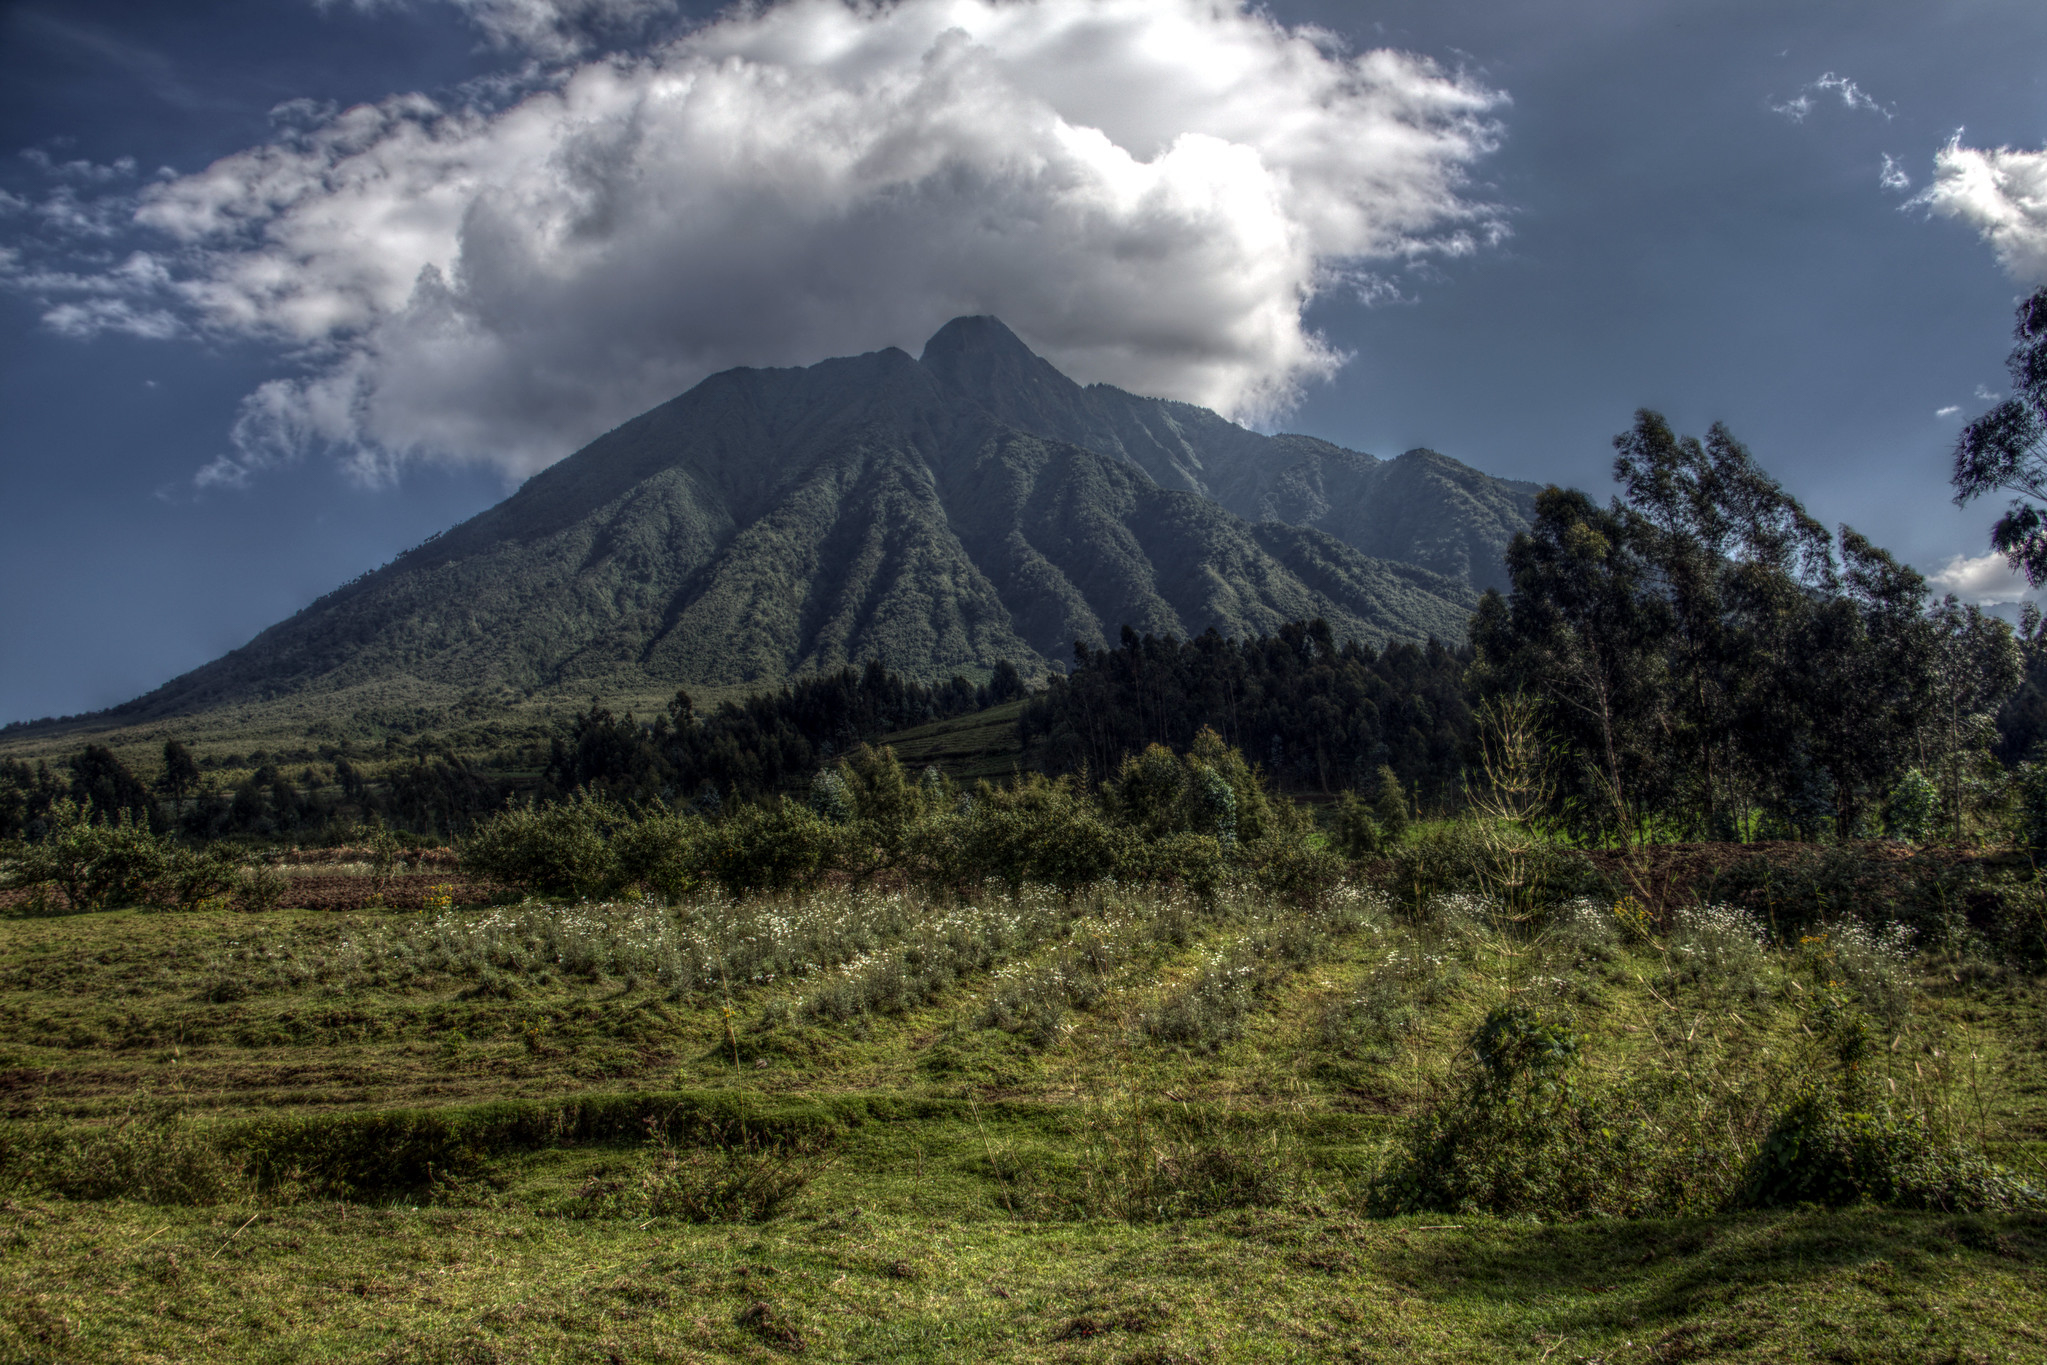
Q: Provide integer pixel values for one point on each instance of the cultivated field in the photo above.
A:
(1133, 1125)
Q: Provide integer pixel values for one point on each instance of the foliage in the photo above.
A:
(1314, 715)
(746, 1180)
(94, 864)
(1707, 654)
(1510, 1134)
(1838, 1143)
(2006, 449)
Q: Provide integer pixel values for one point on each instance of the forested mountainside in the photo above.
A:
(940, 514)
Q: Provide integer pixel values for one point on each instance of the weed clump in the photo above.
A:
(744, 1181)
(1839, 1143)
(1511, 1135)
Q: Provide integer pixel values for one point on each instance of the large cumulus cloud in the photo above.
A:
(2002, 193)
(1149, 191)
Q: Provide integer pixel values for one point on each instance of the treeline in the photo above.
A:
(749, 749)
(434, 795)
(1195, 818)
(1711, 662)
(1316, 716)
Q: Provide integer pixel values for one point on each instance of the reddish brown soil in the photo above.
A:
(341, 891)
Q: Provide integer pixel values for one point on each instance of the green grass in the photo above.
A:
(966, 748)
(978, 1187)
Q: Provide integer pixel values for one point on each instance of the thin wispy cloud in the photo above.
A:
(1150, 191)
(1829, 89)
(1949, 411)
(1893, 176)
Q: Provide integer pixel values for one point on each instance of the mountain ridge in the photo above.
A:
(941, 512)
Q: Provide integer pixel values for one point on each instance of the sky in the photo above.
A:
(288, 286)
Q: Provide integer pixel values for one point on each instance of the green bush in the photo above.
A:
(1822, 1151)
(1911, 807)
(561, 849)
(1358, 835)
(94, 864)
(775, 846)
(662, 853)
(1510, 1135)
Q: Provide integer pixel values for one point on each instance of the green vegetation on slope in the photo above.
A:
(486, 1133)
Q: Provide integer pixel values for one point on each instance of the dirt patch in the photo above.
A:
(348, 891)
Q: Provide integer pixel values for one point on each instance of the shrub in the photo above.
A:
(661, 852)
(95, 865)
(261, 886)
(1872, 963)
(1358, 835)
(1911, 806)
(1822, 1151)
(1719, 949)
(1509, 1135)
(560, 849)
(771, 847)
(195, 876)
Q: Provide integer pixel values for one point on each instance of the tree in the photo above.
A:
(102, 784)
(2006, 449)
(180, 774)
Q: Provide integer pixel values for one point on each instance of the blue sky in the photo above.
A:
(264, 322)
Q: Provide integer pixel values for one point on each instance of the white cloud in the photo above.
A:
(1988, 395)
(2003, 195)
(1948, 411)
(1893, 176)
(1148, 191)
(1851, 95)
(550, 28)
(1986, 579)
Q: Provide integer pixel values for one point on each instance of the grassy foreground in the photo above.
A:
(1137, 1127)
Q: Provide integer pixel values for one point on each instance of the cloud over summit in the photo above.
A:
(1149, 191)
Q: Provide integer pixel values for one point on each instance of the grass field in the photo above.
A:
(1137, 1127)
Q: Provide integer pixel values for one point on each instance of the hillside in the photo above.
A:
(940, 514)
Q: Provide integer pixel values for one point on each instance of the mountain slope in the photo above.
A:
(772, 522)
(1421, 508)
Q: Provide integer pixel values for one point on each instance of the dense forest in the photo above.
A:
(1698, 658)
(751, 748)
(1317, 715)
(1708, 656)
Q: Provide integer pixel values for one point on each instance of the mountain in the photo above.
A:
(1421, 508)
(940, 514)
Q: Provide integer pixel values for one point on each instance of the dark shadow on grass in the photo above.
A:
(1656, 1275)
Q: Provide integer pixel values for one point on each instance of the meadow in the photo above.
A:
(1118, 1123)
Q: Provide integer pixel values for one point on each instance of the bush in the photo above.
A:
(772, 847)
(1911, 807)
(261, 886)
(94, 865)
(1719, 949)
(561, 849)
(1821, 1151)
(194, 877)
(1510, 1136)
(661, 853)
(1358, 835)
